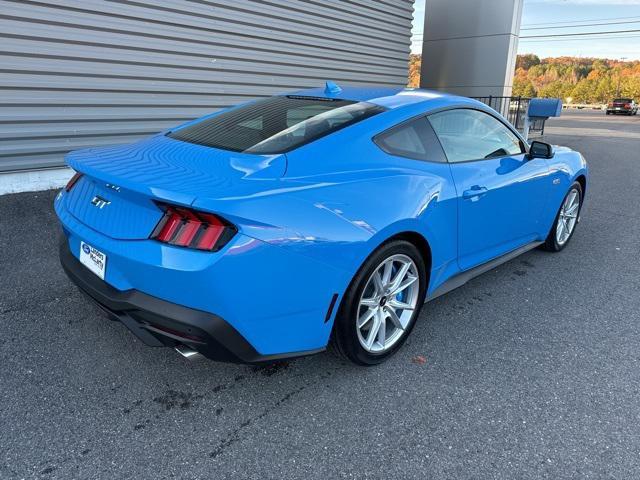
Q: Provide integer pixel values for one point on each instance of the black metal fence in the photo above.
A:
(514, 109)
(536, 126)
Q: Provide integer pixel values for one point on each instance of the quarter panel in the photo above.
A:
(342, 217)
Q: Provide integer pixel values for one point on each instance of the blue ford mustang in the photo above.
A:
(271, 229)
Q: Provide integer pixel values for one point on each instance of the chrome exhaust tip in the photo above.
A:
(188, 353)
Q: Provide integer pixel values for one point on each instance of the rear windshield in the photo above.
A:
(275, 124)
(622, 100)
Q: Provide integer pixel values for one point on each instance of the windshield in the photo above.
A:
(275, 124)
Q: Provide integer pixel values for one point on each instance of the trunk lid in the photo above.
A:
(621, 104)
(120, 184)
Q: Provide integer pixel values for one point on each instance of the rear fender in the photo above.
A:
(341, 222)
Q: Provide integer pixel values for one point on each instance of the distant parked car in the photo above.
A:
(266, 230)
(622, 105)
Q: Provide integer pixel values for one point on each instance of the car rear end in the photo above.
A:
(133, 255)
(169, 235)
(621, 105)
(191, 279)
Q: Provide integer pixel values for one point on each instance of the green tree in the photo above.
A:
(555, 89)
(523, 88)
(604, 91)
(583, 91)
(630, 87)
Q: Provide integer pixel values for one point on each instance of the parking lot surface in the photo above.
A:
(532, 370)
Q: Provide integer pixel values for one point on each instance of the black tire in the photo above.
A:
(344, 338)
(551, 243)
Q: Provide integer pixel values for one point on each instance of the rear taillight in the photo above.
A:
(73, 181)
(627, 105)
(188, 228)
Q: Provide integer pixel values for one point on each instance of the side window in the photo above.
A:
(414, 139)
(467, 134)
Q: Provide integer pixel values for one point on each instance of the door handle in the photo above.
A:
(475, 191)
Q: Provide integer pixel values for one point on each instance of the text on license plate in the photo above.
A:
(93, 259)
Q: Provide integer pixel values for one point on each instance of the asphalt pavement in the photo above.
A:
(532, 370)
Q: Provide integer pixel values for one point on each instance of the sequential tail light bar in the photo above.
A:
(189, 228)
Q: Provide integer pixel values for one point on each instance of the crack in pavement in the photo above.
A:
(236, 434)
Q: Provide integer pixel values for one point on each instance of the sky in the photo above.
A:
(560, 17)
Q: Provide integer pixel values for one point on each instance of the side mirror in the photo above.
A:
(540, 150)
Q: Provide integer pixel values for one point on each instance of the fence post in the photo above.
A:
(518, 112)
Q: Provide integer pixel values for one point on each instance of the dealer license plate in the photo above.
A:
(93, 259)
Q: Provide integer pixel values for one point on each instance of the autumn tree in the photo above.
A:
(415, 61)
(582, 80)
(527, 61)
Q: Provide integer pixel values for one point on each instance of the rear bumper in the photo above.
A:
(157, 322)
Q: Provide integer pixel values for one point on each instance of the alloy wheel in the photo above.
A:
(387, 303)
(568, 216)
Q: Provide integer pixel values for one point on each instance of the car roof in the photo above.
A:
(388, 97)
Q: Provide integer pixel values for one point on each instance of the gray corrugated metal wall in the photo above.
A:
(77, 73)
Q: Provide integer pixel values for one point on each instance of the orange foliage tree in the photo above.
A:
(577, 80)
